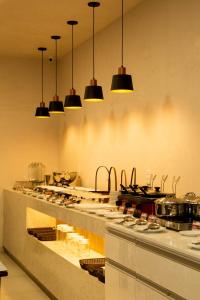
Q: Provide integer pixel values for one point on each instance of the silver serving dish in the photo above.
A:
(172, 207)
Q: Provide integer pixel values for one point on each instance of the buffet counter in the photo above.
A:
(153, 266)
(140, 265)
(55, 270)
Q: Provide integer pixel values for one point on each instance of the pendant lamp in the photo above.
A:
(122, 82)
(56, 106)
(42, 112)
(93, 92)
(72, 101)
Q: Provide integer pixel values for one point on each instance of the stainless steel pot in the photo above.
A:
(172, 207)
(195, 204)
(196, 209)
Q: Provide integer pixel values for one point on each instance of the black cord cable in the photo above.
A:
(42, 79)
(93, 46)
(72, 56)
(56, 67)
(122, 32)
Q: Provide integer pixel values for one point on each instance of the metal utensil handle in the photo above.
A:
(109, 179)
(176, 182)
(161, 184)
(153, 179)
(133, 173)
(164, 180)
(97, 175)
(173, 182)
(123, 174)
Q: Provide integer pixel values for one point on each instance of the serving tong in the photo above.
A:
(174, 183)
(152, 179)
(163, 180)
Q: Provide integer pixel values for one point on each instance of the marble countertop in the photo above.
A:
(87, 193)
(169, 241)
(74, 216)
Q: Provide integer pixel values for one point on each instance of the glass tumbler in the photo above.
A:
(70, 242)
(58, 232)
(84, 250)
(67, 229)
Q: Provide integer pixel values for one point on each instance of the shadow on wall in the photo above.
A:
(118, 123)
(168, 106)
(151, 113)
(149, 117)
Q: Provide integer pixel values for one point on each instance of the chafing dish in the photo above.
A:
(173, 208)
(196, 208)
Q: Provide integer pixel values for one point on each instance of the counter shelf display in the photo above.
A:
(70, 241)
(63, 278)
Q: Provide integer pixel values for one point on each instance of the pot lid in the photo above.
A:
(171, 200)
(190, 197)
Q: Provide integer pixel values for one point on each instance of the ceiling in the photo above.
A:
(27, 25)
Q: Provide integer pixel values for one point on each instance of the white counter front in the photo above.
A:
(151, 265)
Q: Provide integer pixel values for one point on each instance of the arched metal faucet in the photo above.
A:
(96, 175)
(133, 173)
(109, 182)
(123, 175)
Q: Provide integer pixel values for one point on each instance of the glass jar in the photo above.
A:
(84, 250)
(70, 240)
(36, 172)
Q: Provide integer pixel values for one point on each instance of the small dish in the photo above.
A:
(102, 212)
(193, 246)
(114, 215)
(129, 223)
(190, 233)
(119, 221)
(90, 211)
(144, 229)
(92, 206)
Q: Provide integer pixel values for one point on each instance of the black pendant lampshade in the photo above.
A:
(93, 92)
(122, 82)
(42, 112)
(56, 106)
(72, 101)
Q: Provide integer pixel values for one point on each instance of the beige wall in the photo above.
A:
(156, 128)
(23, 139)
